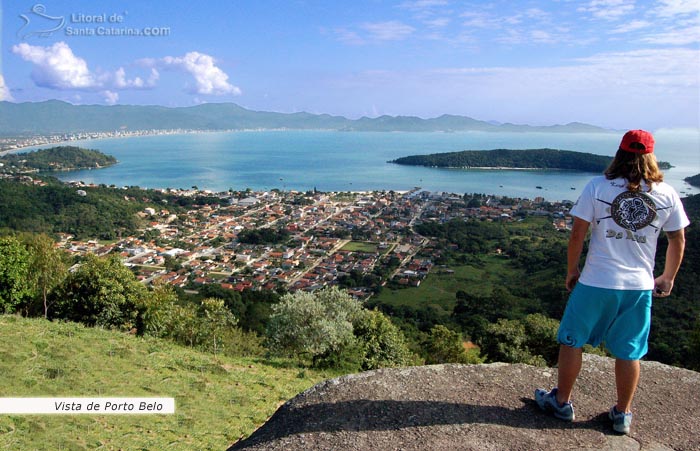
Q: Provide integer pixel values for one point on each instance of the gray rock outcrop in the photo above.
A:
(482, 407)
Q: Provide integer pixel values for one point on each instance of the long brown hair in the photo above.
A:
(635, 168)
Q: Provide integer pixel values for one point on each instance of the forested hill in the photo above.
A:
(694, 180)
(53, 116)
(509, 158)
(60, 158)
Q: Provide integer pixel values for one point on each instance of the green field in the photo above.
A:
(360, 246)
(440, 287)
(218, 399)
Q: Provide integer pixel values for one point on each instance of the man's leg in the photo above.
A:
(626, 379)
(569, 366)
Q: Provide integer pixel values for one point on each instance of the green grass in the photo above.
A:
(218, 399)
(360, 246)
(440, 288)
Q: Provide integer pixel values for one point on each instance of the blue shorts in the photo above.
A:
(620, 318)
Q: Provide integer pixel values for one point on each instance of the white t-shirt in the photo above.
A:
(625, 226)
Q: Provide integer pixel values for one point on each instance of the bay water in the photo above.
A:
(359, 161)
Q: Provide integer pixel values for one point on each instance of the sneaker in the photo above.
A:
(548, 402)
(621, 420)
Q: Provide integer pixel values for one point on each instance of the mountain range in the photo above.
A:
(54, 116)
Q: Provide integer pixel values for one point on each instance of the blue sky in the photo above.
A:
(614, 63)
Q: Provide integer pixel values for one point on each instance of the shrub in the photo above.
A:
(14, 273)
(381, 343)
(531, 340)
(312, 325)
(101, 292)
(446, 346)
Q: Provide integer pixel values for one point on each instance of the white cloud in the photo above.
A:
(616, 89)
(541, 36)
(209, 78)
(111, 98)
(634, 25)
(56, 67)
(537, 13)
(673, 8)
(427, 10)
(475, 19)
(422, 4)
(121, 82)
(529, 26)
(648, 69)
(608, 9)
(349, 36)
(4, 90)
(388, 31)
(690, 35)
(439, 22)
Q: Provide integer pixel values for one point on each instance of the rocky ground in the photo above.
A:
(482, 407)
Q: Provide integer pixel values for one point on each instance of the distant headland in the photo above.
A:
(544, 159)
(62, 158)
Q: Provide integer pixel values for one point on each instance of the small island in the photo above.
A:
(62, 158)
(693, 180)
(543, 159)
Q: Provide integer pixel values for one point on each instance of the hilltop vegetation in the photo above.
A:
(61, 158)
(218, 399)
(509, 158)
(106, 213)
(694, 180)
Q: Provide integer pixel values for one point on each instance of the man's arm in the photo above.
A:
(674, 256)
(578, 235)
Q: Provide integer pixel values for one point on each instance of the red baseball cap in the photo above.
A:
(637, 141)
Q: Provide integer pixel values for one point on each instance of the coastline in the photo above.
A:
(495, 168)
(20, 144)
(334, 161)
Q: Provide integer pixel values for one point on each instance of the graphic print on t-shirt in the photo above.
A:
(633, 211)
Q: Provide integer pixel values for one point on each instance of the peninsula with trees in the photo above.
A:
(61, 158)
(693, 180)
(544, 159)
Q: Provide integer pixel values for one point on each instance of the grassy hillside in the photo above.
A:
(218, 399)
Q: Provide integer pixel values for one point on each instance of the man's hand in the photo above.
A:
(573, 253)
(571, 279)
(662, 287)
(674, 255)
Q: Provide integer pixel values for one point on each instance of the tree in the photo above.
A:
(381, 343)
(314, 325)
(14, 272)
(47, 267)
(217, 320)
(541, 332)
(505, 341)
(446, 346)
(154, 310)
(531, 340)
(101, 292)
(695, 347)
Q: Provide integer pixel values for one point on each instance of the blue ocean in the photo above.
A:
(358, 161)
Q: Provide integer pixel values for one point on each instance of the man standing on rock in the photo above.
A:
(610, 300)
